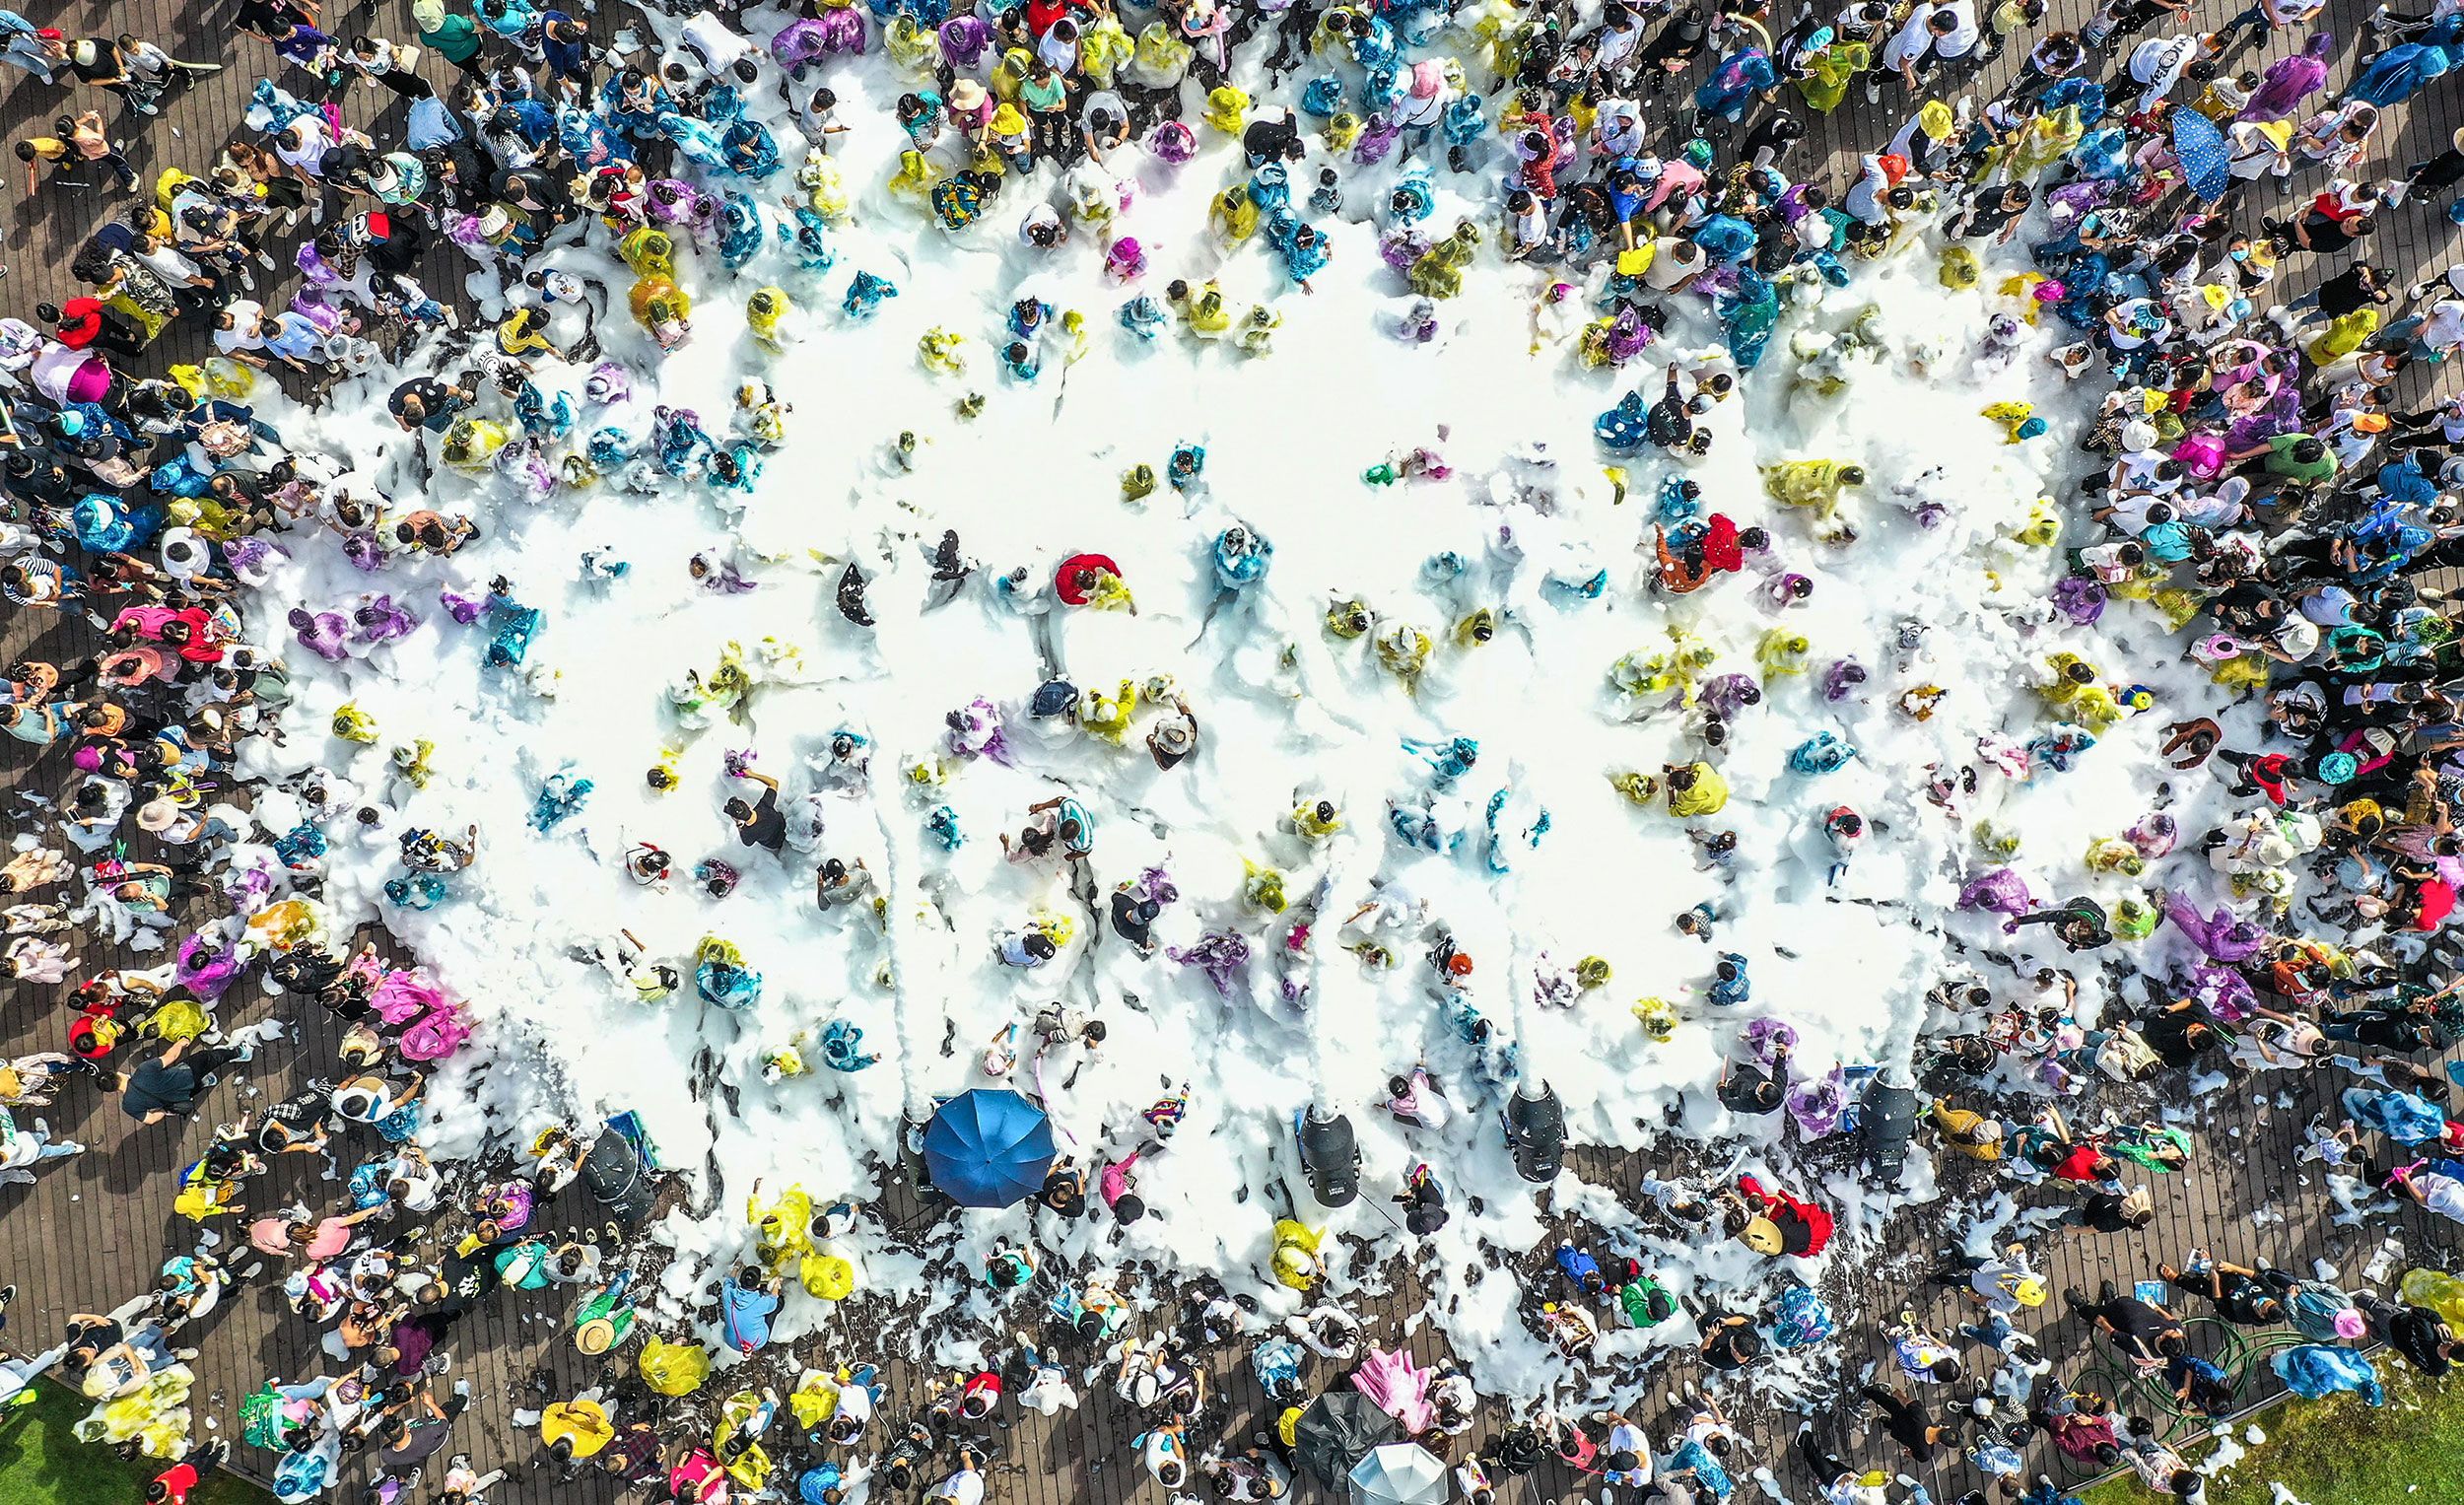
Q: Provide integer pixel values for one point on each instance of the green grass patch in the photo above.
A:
(42, 1462)
(2339, 1450)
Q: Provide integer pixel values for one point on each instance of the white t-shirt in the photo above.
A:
(1676, 262)
(243, 334)
(709, 39)
(1615, 45)
(1910, 41)
(2442, 1195)
(310, 157)
(1962, 37)
(170, 264)
(2445, 326)
(2295, 637)
(965, 1487)
(1042, 216)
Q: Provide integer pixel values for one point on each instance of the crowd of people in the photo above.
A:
(2257, 486)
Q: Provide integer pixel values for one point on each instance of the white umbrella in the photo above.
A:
(1399, 1473)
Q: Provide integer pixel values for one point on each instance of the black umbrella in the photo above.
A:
(617, 1171)
(1337, 1431)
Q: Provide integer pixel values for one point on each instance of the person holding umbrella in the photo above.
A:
(988, 1147)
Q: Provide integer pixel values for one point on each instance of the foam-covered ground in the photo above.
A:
(1288, 713)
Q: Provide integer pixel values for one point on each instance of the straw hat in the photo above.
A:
(966, 97)
(157, 815)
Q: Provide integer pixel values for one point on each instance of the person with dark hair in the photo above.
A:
(168, 1085)
(2143, 1331)
(174, 1485)
(1909, 1424)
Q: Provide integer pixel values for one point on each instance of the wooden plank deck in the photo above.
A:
(89, 1234)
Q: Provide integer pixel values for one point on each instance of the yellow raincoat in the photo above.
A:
(674, 1369)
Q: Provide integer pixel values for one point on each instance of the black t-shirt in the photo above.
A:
(1670, 422)
(1270, 139)
(2417, 1332)
(432, 393)
(1745, 1090)
(1907, 1425)
(2393, 1032)
(2136, 1318)
(262, 15)
(1989, 216)
(1128, 916)
(2327, 233)
(765, 827)
(2103, 1211)
(293, 1120)
(425, 1439)
(2344, 292)
(158, 1086)
(106, 64)
(1733, 1349)
(2238, 1298)
(2168, 1033)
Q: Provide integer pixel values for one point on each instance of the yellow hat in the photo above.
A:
(1934, 121)
(1007, 121)
(1762, 1236)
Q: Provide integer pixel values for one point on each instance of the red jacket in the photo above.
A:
(1805, 1229)
(180, 1478)
(1067, 583)
(1040, 14)
(1719, 544)
(2438, 902)
(2079, 1164)
(81, 319)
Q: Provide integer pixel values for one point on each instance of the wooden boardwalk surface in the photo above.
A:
(92, 1233)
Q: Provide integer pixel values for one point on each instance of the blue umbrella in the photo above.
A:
(989, 1148)
(2201, 148)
